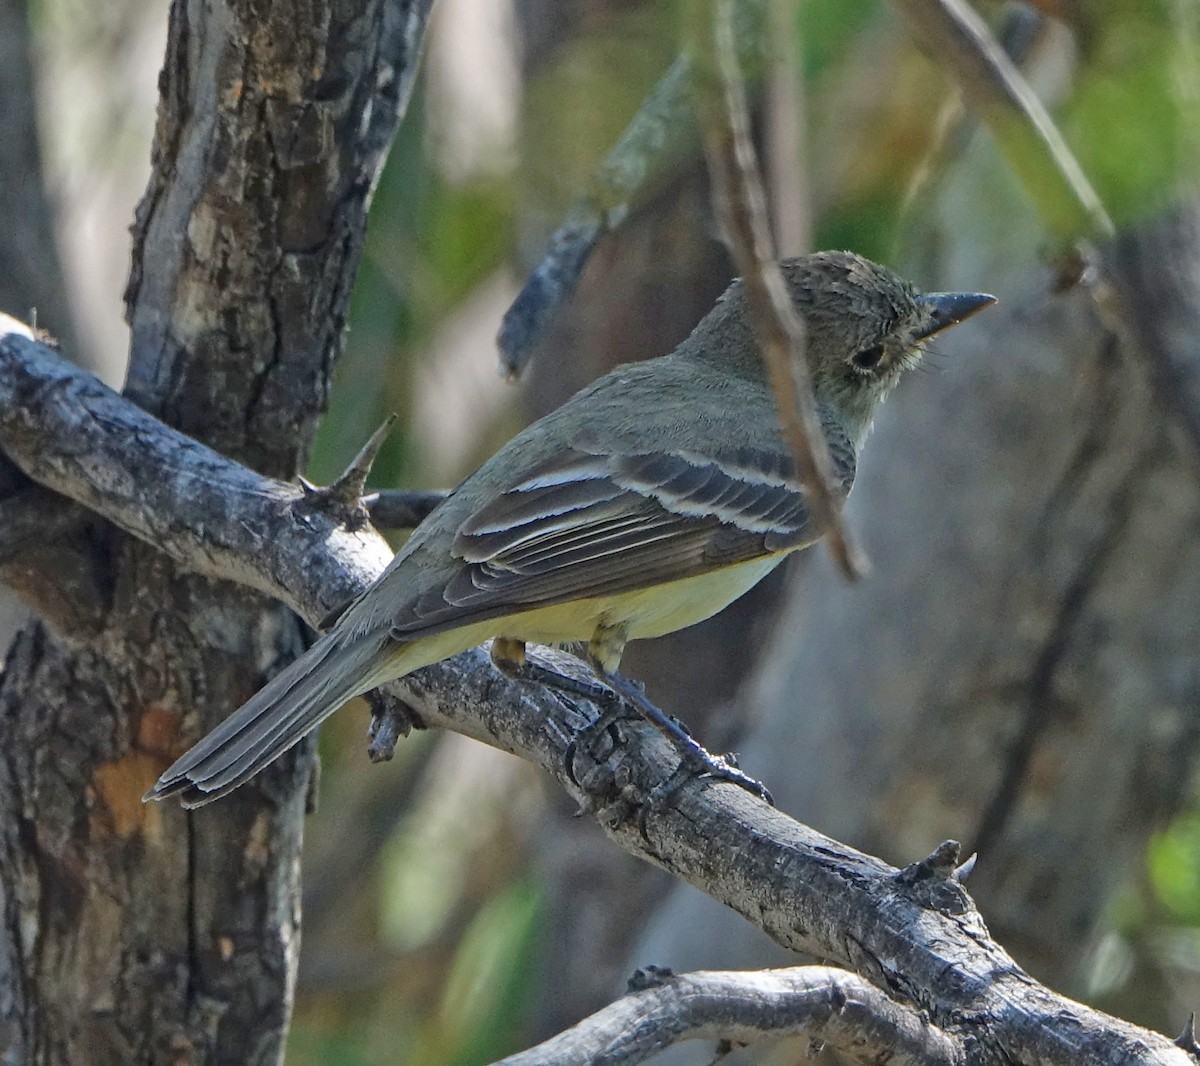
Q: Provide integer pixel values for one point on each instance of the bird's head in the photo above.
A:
(865, 327)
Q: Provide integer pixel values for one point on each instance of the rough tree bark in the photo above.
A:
(130, 932)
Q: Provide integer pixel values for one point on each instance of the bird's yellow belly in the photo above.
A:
(648, 612)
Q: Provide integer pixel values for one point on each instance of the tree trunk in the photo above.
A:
(134, 932)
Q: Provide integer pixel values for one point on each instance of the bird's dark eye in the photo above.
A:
(868, 358)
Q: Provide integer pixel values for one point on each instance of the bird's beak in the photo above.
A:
(948, 309)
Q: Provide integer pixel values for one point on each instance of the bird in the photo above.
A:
(646, 503)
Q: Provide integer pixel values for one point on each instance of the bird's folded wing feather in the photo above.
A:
(589, 523)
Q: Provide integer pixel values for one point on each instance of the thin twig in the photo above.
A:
(1020, 33)
(787, 129)
(959, 42)
(741, 208)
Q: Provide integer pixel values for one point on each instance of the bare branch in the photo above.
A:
(398, 509)
(807, 891)
(741, 208)
(829, 1006)
(67, 430)
(658, 132)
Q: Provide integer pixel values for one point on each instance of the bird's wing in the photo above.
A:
(592, 523)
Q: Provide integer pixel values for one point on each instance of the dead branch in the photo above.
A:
(826, 1005)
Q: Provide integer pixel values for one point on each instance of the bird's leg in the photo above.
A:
(604, 654)
(613, 697)
(508, 656)
(696, 759)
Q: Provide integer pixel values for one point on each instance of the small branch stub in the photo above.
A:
(391, 720)
(1187, 1039)
(934, 882)
(400, 508)
(650, 977)
(344, 498)
(940, 865)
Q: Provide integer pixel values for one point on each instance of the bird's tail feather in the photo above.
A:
(279, 715)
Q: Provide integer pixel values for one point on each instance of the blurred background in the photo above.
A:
(1021, 671)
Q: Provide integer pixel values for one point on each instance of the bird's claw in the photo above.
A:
(699, 762)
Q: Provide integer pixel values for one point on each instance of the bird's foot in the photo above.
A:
(616, 698)
(716, 767)
(696, 760)
(595, 738)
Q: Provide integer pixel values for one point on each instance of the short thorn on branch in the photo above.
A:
(967, 868)
(344, 498)
(649, 977)
(1187, 1039)
(940, 865)
(936, 881)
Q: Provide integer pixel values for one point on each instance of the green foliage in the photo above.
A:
(485, 996)
(829, 28)
(475, 1020)
(1133, 130)
(1173, 862)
